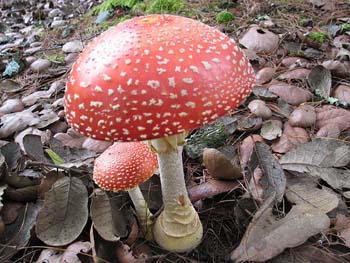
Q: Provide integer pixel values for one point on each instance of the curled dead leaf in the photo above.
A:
(291, 137)
(290, 93)
(11, 105)
(246, 148)
(219, 166)
(264, 75)
(338, 69)
(294, 74)
(342, 93)
(271, 129)
(332, 121)
(304, 116)
(260, 40)
(259, 108)
(211, 188)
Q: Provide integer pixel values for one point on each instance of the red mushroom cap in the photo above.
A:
(124, 166)
(155, 76)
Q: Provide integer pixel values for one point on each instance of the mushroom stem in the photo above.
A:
(144, 214)
(178, 227)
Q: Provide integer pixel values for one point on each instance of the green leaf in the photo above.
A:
(54, 157)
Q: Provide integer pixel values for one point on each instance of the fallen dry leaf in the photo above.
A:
(271, 130)
(44, 135)
(71, 139)
(259, 108)
(342, 93)
(342, 225)
(255, 189)
(9, 212)
(331, 120)
(304, 116)
(219, 166)
(274, 179)
(294, 74)
(260, 40)
(291, 137)
(264, 75)
(45, 94)
(267, 236)
(338, 69)
(11, 105)
(319, 153)
(125, 255)
(70, 254)
(14, 122)
(293, 61)
(290, 93)
(211, 188)
(246, 148)
(95, 145)
(320, 81)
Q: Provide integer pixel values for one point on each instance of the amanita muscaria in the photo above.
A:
(123, 167)
(155, 78)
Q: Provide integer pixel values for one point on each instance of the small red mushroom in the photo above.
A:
(124, 166)
(154, 78)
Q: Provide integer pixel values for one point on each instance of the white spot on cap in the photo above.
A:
(98, 89)
(110, 92)
(106, 77)
(187, 80)
(190, 104)
(154, 84)
(115, 107)
(194, 69)
(216, 60)
(224, 46)
(76, 96)
(84, 117)
(206, 65)
(183, 114)
(184, 92)
(73, 113)
(146, 52)
(96, 104)
(140, 128)
(129, 82)
(172, 82)
(178, 69)
(161, 70)
(81, 106)
(120, 89)
(125, 131)
(123, 74)
(88, 129)
(127, 61)
(84, 84)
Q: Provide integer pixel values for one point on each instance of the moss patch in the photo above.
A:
(108, 5)
(164, 6)
(319, 37)
(345, 27)
(224, 17)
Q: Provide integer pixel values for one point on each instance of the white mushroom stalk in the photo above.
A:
(178, 227)
(143, 213)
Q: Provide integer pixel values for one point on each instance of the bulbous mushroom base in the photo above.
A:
(178, 231)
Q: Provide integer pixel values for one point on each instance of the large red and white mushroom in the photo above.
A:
(123, 167)
(154, 78)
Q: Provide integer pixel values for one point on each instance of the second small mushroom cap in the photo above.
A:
(124, 166)
(155, 76)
